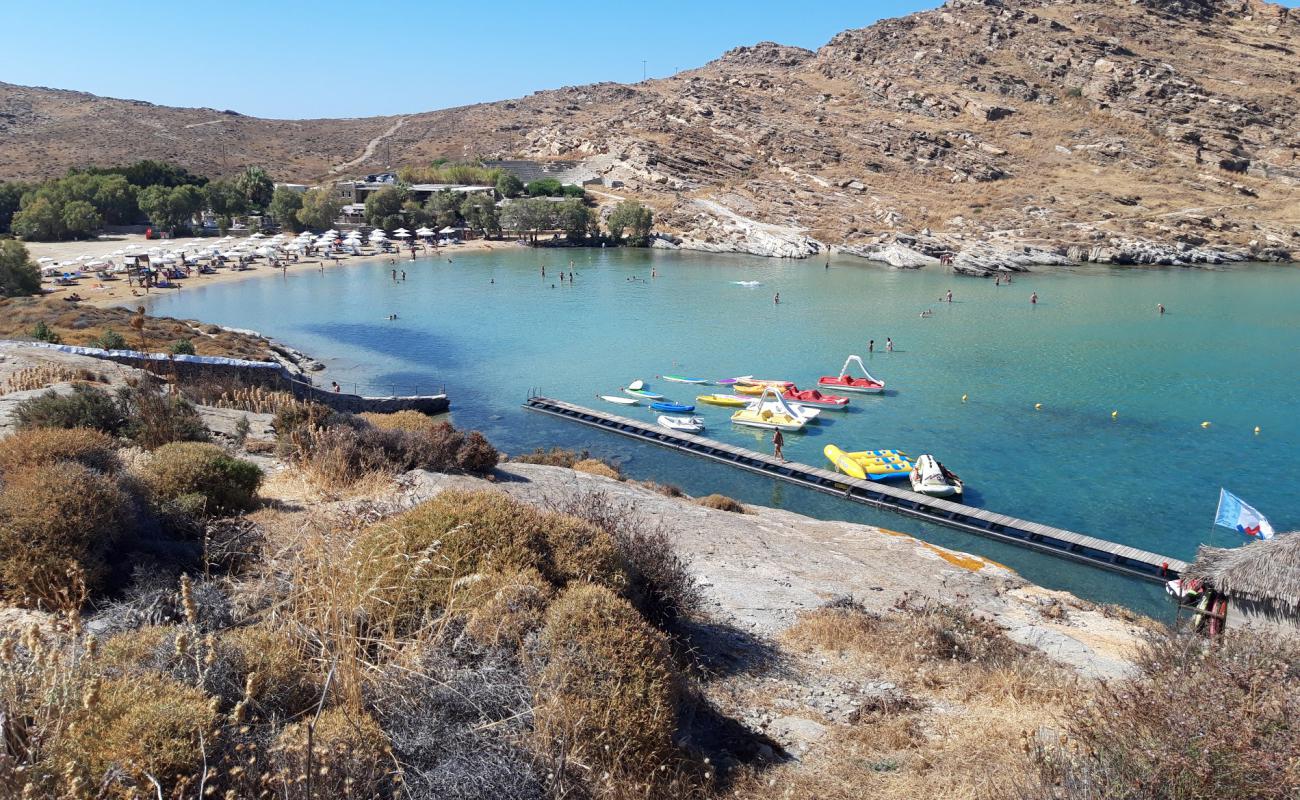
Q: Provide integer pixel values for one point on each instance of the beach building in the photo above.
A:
(355, 192)
(1257, 585)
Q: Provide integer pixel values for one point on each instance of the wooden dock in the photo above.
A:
(1043, 538)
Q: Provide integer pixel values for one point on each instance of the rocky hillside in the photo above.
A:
(1103, 129)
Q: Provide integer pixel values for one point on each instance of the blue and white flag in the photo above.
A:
(1239, 515)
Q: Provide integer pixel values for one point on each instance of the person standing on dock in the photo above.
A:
(778, 442)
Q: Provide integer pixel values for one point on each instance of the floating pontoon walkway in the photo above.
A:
(1043, 538)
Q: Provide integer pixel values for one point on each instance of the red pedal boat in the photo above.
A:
(812, 397)
(847, 383)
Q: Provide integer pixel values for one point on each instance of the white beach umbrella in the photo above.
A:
(401, 230)
(424, 232)
(45, 260)
(331, 232)
(401, 235)
(258, 235)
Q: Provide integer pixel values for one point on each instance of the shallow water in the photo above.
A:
(490, 327)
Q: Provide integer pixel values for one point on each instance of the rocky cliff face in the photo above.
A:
(1158, 130)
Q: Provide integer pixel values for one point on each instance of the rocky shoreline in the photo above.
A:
(981, 258)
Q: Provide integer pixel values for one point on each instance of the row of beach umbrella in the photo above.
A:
(256, 244)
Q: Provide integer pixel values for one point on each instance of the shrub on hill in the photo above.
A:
(40, 446)
(202, 479)
(85, 407)
(54, 517)
(129, 729)
(1200, 719)
(606, 694)
(458, 535)
(721, 502)
(412, 421)
(507, 607)
(593, 466)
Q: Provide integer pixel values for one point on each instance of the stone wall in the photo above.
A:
(261, 373)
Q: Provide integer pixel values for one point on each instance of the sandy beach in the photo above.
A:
(118, 292)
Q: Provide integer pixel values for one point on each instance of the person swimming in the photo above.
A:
(1161, 308)
(777, 298)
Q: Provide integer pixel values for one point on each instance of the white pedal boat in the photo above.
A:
(684, 424)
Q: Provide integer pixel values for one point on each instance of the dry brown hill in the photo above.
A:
(1070, 122)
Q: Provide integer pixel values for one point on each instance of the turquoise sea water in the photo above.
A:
(489, 327)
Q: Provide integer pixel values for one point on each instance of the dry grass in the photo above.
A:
(957, 726)
(243, 397)
(555, 457)
(44, 375)
(342, 753)
(41, 446)
(79, 324)
(1200, 720)
(593, 466)
(412, 421)
(721, 502)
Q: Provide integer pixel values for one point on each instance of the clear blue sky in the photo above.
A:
(295, 59)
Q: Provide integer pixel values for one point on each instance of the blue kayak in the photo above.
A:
(672, 408)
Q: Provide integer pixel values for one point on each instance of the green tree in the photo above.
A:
(256, 186)
(319, 209)
(415, 214)
(114, 198)
(632, 217)
(479, 211)
(572, 217)
(157, 173)
(443, 208)
(169, 207)
(40, 219)
(81, 219)
(285, 204)
(18, 275)
(183, 202)
(183, 347)
(224, 199)
(545, 187)
(509, 186)
(11, 197)
(385, 205)
(573, 191)
(529, 216)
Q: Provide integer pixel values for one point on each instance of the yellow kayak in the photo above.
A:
(843, 462)
(729, 400)
(745, 388)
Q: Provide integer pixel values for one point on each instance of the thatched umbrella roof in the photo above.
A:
(1263, 571)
